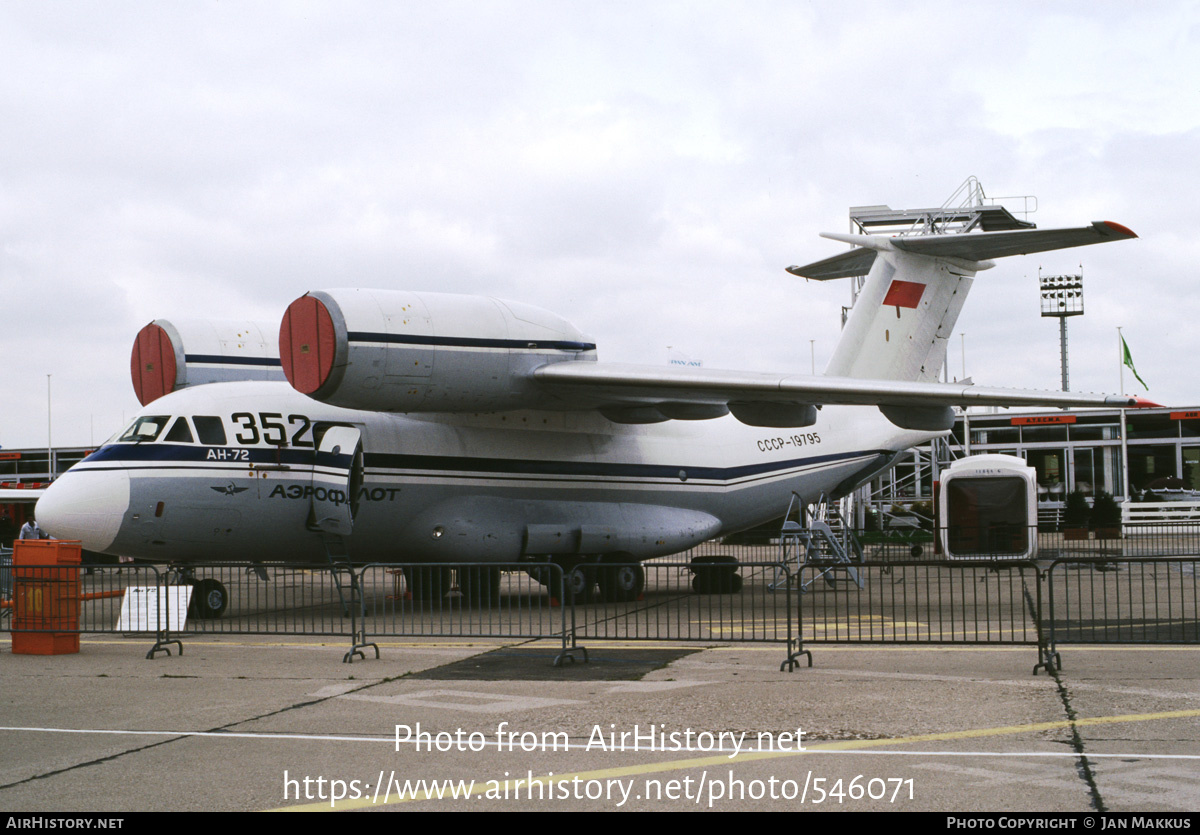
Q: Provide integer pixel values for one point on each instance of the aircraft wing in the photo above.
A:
(970, 247)
(622, 385)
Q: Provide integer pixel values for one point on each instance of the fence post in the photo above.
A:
(566, 601)
(358, 625)
(795, 641)
(1048, 656)
(162, 633)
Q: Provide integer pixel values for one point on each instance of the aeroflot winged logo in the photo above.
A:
(229, 489)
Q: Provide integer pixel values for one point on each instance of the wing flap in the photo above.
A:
(611, 385)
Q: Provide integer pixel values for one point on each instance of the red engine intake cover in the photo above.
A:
(306, 344)
(152, 364)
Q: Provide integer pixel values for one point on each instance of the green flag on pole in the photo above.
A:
(1129, 362)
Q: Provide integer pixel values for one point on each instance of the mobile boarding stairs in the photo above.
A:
(817, 536)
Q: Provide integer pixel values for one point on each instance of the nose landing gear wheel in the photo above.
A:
(209, 600)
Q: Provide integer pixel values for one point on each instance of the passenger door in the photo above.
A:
(337, 478)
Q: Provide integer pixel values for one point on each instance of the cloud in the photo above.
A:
(645, 171)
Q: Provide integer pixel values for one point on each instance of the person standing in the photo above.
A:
(30, 529)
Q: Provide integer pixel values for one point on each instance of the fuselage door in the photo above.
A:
(337, 478)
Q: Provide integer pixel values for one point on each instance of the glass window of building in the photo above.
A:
(1051, 473)
(1151, 426)
(1085, 471)
(1095, 432)
(1109, 474)
(995, 435)
(1043, 434)
(1191, 468)
(1189, 428)
(1150, 464)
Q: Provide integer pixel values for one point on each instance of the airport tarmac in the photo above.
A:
(245, 724)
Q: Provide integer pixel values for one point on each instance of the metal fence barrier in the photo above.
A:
(917, 543)
(268, 599)
(1141, 601)
(1101, 598)
(716, 599)
(924, 602)
(520, 600)
(921, 602)
(6, 556)
(55, 599)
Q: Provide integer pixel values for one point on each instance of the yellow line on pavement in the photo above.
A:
(504, 787)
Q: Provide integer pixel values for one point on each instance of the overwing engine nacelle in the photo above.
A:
(169, 355)
(398, 351)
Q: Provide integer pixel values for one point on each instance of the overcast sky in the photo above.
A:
(646, 170)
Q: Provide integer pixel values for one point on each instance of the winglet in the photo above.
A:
(1122, 231)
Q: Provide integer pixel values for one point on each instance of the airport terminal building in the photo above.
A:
(1126, 452)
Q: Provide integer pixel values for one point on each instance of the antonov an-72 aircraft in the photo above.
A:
(397, 426)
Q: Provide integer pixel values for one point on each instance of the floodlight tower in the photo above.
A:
(1062, 296)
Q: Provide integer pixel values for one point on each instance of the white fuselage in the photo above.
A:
(452, 487)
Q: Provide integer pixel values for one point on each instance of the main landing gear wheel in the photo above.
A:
(480, 585)
(542, 574)
(581, 583)
(716, 575)
(621, 583)
(427, 582)
(209, 600)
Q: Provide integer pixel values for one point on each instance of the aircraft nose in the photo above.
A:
(85, 505)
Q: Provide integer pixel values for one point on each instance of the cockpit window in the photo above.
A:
(210, 429)
(180, 432)
(145, 428)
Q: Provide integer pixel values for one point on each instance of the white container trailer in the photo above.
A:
(987, 507)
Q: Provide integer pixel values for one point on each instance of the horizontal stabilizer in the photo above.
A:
(968, 247)
(857, 261)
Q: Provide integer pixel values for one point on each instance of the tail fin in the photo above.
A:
(902, 321)
(904, 316)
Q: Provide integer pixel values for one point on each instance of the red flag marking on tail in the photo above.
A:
(904, 294)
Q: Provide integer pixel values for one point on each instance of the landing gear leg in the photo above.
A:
(479, 584)
(428, 582)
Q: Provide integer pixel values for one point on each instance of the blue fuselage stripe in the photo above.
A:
(508, 467)
(468, 342)
(221, 359)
